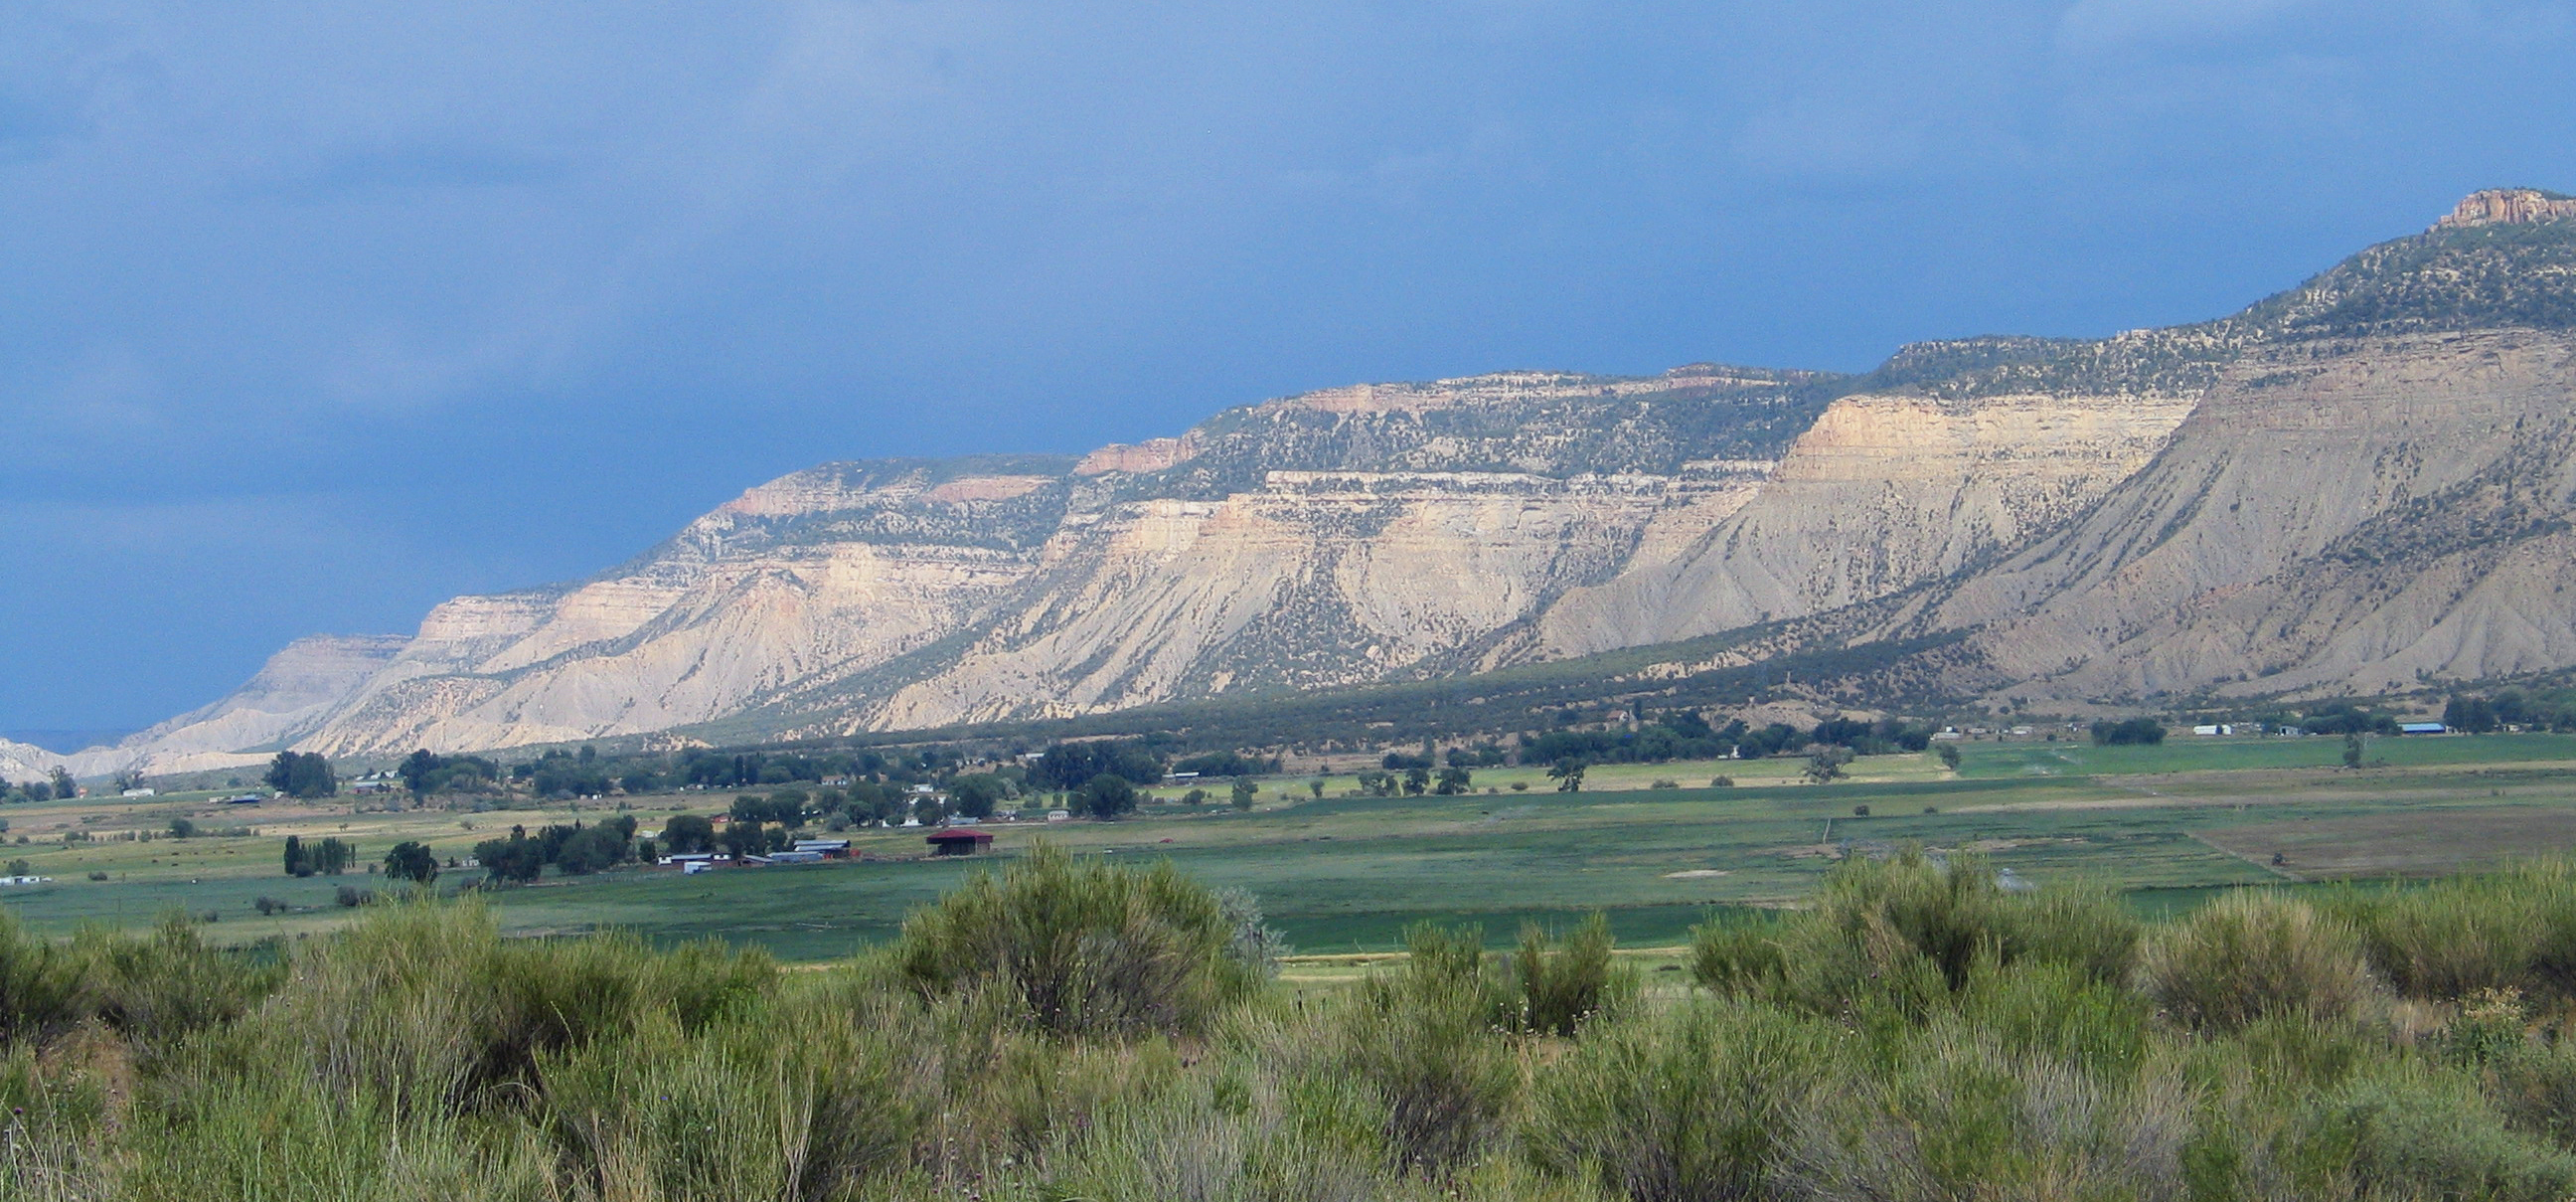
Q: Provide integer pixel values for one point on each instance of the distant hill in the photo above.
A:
(2362, 482)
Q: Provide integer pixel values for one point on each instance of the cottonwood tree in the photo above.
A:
(411, 860)
(1106, 796)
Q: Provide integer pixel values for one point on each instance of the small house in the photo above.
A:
(1059, 815)
(957, 841)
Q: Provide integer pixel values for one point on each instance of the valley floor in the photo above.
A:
(1345, 874)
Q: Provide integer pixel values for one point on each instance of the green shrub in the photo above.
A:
(1422, 1040)
(2534, 1086)
(54, 1113)
(1702, 1104)
(1083, 947)
(1558, 986)
(2084, 928)
(157, 989)
(735, 1111)
(1240, 1130)
(2448, 939)
(252, 1128)
(1739, 957)
(2407, 1131)
(425, 1002)
(40, 984)
(1945, 1113)
(2056, 1012)
(2248, 956)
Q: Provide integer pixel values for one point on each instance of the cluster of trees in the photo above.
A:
(302, 774)
(2128, 732)
(1100, 778)
(326, 857)
(1074, 765)
(59, 785)
(1227, 763)
(560, 773)
(574, 850)
(1416, 780)
(424, 773)
(2342, 718)
(1887, 736)
(1684, 735)
(2555, 710)
(734, 770)
(1675, 735)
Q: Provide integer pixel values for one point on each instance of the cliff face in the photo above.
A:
(2508, 206)
(25, 761)
(2378, 491)
(1337, 537)
(2358, 481)
(1340, 537)
(2348, 516)
(1884, 492)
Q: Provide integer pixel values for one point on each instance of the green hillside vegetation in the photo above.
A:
(1926, 1027)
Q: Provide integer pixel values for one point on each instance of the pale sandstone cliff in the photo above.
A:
(2377, 494)
(1882, 493)
(2508, 206)
(1315, 579)
(2271, 541)
(24, 761)
(1300, 542)
(2357, 482)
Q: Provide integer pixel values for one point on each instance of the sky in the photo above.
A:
(318, 313)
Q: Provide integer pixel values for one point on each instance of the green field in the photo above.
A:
(1346, 873)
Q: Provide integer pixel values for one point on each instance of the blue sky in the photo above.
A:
(317, 313)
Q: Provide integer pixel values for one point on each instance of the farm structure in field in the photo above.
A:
(958, 842)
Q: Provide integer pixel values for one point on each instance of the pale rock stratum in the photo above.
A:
(2366, 481)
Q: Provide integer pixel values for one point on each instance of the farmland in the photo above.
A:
(1344, 874)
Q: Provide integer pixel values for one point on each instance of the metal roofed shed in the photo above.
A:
(2422, 728)
(958, 841)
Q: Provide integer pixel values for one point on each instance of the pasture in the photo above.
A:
(1345, 874)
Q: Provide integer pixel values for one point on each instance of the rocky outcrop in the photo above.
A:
(25, 761)
(2506, 206)
(1317, 578)
(2377, 493)
(2356, 516)
(1884, 492)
